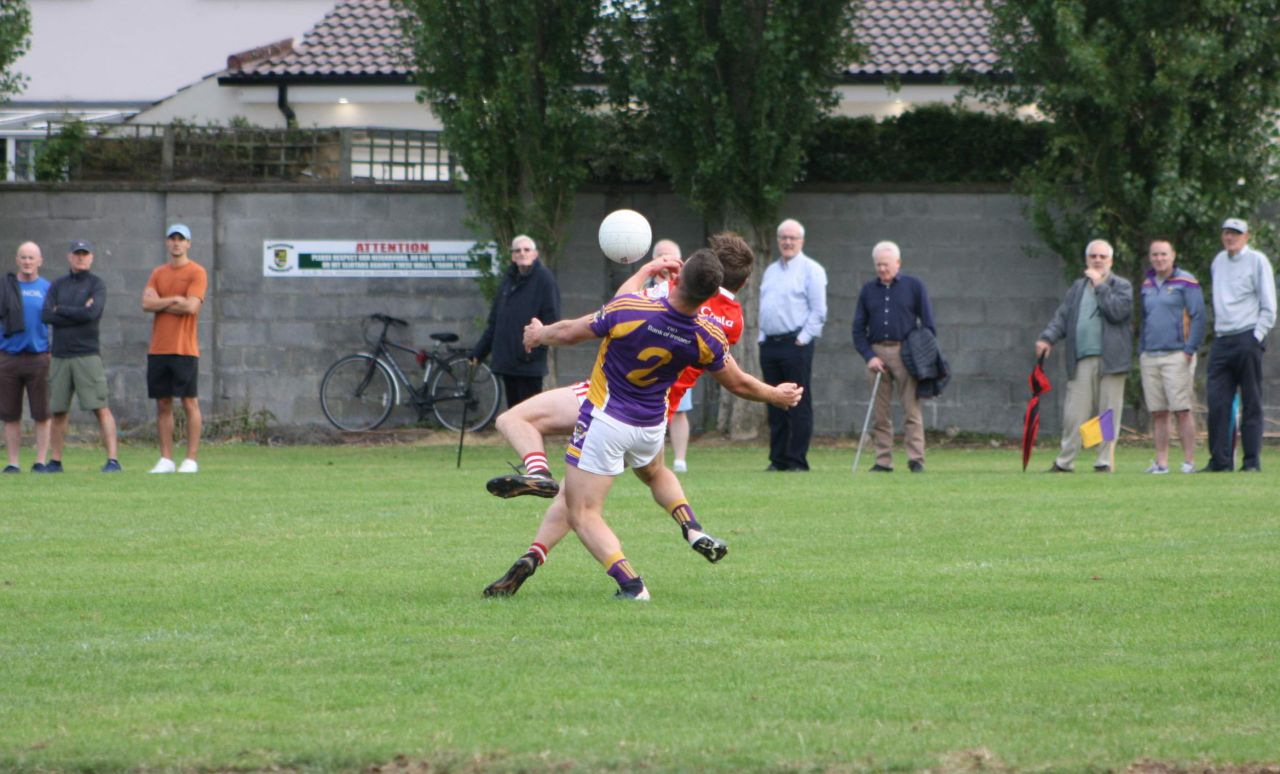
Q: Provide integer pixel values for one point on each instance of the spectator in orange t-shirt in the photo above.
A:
(174, 294)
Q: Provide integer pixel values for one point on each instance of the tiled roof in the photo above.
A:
(922, 38)
(358, 39)
(362, 40)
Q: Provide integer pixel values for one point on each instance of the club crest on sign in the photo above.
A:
(280, 258)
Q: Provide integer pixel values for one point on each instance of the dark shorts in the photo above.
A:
(28, 371)
(172, 376)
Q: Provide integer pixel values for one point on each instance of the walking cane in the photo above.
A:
(466, 401)
(871, 404)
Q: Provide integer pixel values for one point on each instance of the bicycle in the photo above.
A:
(359, 391)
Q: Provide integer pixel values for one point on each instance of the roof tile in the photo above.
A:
(918, 37)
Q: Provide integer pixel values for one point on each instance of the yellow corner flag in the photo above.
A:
(1098, 430)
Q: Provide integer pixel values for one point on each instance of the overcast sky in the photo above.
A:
(145, 50)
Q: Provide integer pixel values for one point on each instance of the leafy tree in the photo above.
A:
(731, 93)
(15, 39)
(505, 79)
(1163, 118)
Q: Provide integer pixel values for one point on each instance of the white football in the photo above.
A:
(625, 236)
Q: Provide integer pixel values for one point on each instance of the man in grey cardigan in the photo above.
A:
(1094, 318)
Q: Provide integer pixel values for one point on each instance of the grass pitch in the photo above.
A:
(319, 608)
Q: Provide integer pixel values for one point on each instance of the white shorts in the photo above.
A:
(605, 446)
(580, 390)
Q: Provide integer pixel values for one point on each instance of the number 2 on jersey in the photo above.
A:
(641, 376)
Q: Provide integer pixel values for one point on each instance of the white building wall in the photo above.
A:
(145, 50)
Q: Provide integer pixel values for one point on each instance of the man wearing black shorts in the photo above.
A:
(175, 293)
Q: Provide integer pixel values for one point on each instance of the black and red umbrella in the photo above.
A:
(1031, 421)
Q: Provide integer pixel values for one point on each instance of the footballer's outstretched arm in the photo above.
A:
(562, 334)
(744, 385)
(635, 283)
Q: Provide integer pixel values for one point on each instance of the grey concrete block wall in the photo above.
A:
(266, 342)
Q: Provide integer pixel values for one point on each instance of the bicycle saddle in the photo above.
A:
(445, 338)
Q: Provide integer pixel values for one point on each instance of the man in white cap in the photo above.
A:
(174, 294)
(1244, 311)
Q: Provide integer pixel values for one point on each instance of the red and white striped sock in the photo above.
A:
(539, 552)
(535, 463)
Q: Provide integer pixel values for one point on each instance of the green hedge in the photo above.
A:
(933, 144)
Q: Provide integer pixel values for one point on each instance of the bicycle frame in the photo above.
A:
(384, 354)
(376, 369)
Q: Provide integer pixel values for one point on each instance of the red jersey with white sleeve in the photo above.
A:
(724, 310)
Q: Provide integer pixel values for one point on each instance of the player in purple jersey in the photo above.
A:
(646, 344)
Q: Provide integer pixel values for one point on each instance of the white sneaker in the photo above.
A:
(188, 466)
(165, 465)
(680, 466)
(1188, 467)
(1157, 469)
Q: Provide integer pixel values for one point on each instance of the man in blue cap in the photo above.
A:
(73, 308)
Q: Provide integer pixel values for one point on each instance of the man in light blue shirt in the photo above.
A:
(1244, 311)
(793, 309)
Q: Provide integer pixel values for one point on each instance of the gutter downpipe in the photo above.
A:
(282, 102)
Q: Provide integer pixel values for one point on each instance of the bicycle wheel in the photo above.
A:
(447, 389)
(357, 393)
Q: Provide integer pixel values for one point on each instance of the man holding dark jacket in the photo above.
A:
(890, 307)
(73, 308)
(528, 290)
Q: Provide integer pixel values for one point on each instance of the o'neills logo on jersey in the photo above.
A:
(724, 323)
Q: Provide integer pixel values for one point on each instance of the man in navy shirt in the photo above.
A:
(889, 307)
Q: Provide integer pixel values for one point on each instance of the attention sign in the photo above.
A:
(369, 258)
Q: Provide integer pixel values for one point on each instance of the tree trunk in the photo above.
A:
(743, 420)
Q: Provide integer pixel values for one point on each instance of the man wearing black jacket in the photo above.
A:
(528, 290)
(73, 308)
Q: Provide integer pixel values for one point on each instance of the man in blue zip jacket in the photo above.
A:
(73, 307)
(528, 290)
(1173, 327)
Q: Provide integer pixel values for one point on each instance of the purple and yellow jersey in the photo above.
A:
(646, 345)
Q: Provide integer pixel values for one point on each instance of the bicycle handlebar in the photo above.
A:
(389, 320)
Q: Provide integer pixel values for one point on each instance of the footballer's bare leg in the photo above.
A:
(524, 426)
(667, 492)
(584, 494)
(554, 527)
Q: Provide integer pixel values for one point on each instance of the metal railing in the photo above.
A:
(170, 152)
